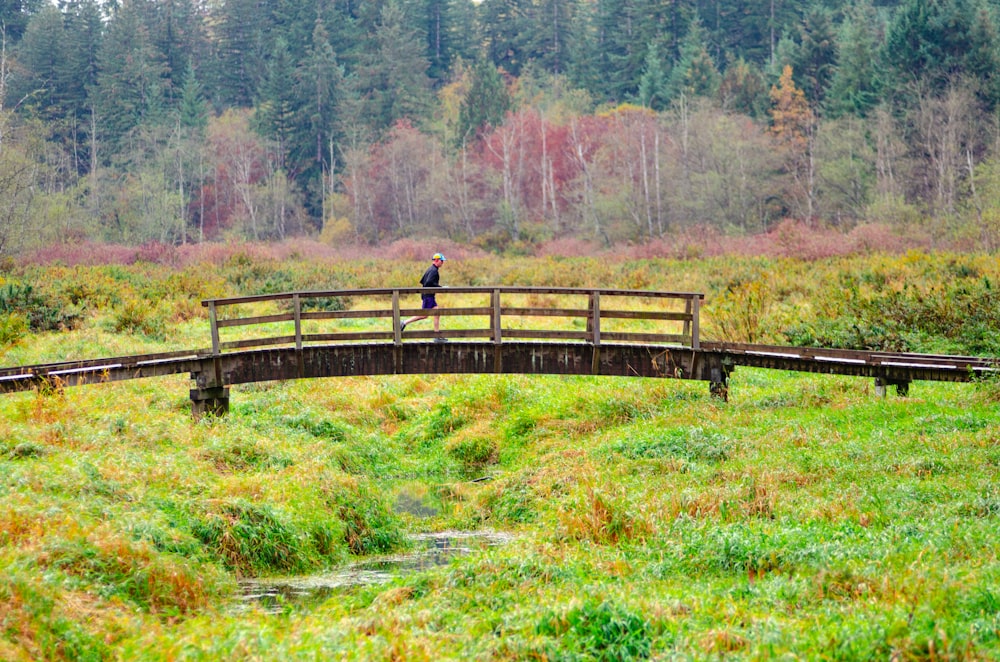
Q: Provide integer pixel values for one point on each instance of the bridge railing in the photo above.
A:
(500, 313)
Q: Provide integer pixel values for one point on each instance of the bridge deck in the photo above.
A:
(623, 338)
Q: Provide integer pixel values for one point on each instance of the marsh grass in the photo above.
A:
(804, 519)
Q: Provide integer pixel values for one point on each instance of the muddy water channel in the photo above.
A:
(429, 550)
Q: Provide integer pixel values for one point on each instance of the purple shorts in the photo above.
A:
(428, 302)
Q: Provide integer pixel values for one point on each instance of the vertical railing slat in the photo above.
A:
(297, 302)
(215, 327)
(495, 304)
(695, 314)
(397, 335)
(596, 314)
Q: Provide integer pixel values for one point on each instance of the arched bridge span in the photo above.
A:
(498, 330)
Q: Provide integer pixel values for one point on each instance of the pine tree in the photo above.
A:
(15, 16)
(506, 31)
(485, 104)
(276, 107)
(854, 88)
(743, 89)
(192, 111)
(695, 73)
(131, 81)
(935, 42)
(319, 89)
(393, 75)
(654, 89)
(816, 54)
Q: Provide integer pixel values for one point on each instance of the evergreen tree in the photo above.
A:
(448, 25)
(654, 91)
(935, 42)
(485, 104)
(750, 30)
(319, 88)
(42, 58)
(695, 73)
(506, 32)
(15, 15)
(816, 54)
(550, 25)
(393, 75)
(854, 88)
(276, 107)
(131, 81)
(243, 43)
(743, 89)
(177, 33)
(192, 111)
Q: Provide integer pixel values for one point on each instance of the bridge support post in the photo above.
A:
(902, 387)
(212, 401)
(718, 377)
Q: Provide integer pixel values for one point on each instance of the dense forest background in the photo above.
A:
(501, 124)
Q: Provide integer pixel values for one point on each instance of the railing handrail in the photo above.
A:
(472, 289)
(592, 313)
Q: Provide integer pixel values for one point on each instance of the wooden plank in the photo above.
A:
(625, 336)
(546, 335)
(646, 315)
(249, 321)
(258, 342)
(544, 312)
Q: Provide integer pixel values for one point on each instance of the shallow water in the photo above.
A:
(430, 550)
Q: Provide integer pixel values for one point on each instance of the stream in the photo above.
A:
(430, 550)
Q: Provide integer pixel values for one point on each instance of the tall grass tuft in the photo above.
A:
(252, 539)
(603, 515)
(596, 631)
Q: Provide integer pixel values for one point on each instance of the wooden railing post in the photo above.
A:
(595, 311)
(687, 322)
(496, 327)
(297, 302)
(397, 335)
(495, 322)
(215, 327)
(695, 314)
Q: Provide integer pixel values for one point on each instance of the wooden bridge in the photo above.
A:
(499, 330)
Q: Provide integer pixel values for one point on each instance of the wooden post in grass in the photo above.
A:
(212, 401)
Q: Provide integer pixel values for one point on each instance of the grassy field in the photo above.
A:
(806, 518)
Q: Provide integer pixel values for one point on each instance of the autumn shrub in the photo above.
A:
(156, 252)
(135, 316)
(13, 327)
(40, 311)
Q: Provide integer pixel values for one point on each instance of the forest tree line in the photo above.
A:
(502, 123)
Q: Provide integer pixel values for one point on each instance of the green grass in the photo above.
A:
(806, 518)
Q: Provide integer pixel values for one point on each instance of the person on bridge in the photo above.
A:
(431, 278)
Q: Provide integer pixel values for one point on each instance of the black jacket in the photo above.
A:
(430, 278)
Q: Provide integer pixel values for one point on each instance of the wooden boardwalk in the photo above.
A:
(494, 330)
